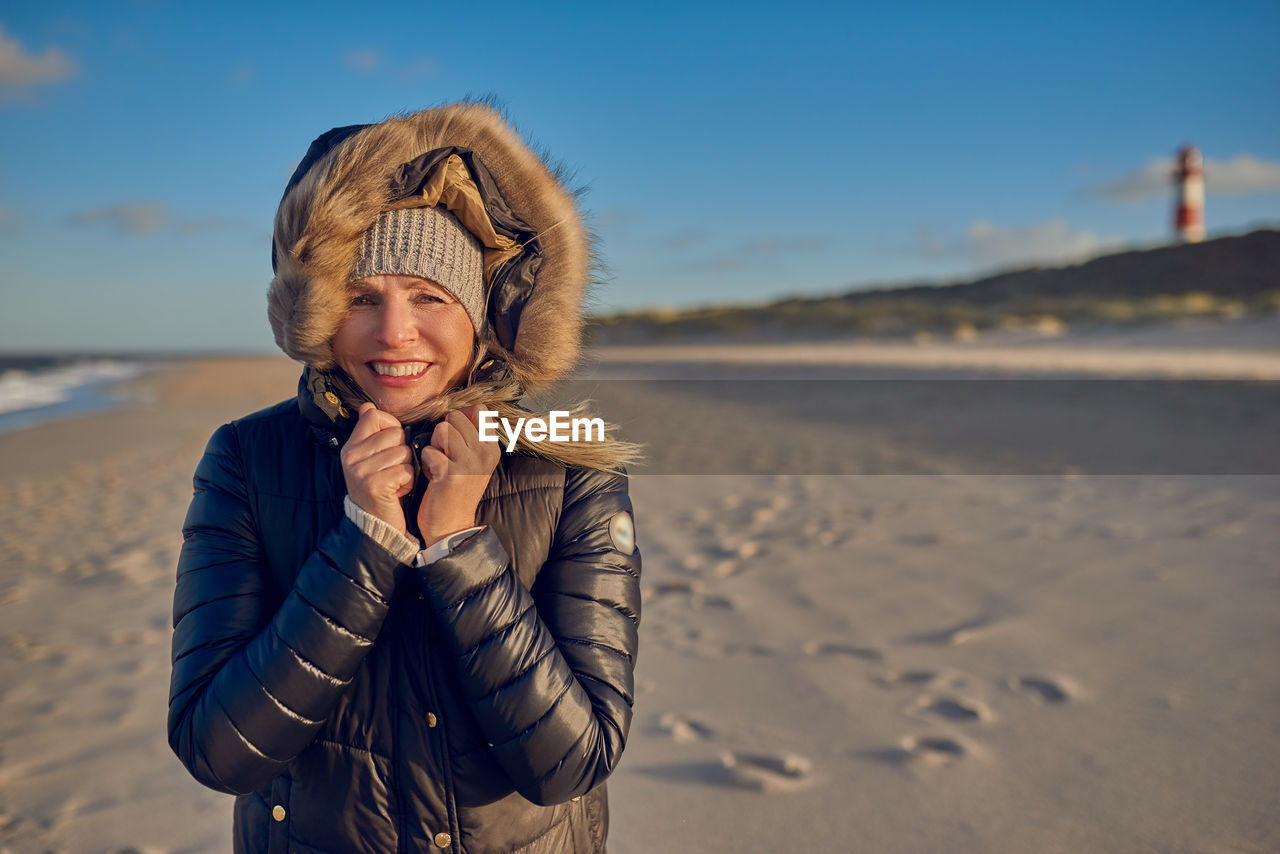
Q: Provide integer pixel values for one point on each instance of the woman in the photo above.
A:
(389, 635)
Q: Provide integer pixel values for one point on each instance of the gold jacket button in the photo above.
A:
(442, 840)
(331, 397)
(277, 812)
(431, 720)
(575, 800)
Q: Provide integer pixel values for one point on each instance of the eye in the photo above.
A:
(363, 299)
(425, 297)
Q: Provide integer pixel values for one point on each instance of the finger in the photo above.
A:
(434, 462)
(406, 486)
(465, 427)
(359, 449)
(371, 474)
(387, 458)
(445, 438)
(394, 480)
(490, 453)
(366, 424)
(371, 420)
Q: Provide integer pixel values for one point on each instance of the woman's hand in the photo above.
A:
(377, 466)
(458, 467)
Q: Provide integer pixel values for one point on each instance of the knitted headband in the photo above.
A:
(430, 243)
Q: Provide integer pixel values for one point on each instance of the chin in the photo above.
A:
(398, 405)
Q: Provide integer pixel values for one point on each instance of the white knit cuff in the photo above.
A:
(442, 548)
(404, 547)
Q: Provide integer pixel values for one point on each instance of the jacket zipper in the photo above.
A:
(397, 778)
(433, 697)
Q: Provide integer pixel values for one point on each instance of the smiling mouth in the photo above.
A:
(399, 369)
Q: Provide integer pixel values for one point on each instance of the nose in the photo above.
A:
(395, 326)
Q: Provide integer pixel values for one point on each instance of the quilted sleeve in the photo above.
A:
(549, 674)
(253, 677)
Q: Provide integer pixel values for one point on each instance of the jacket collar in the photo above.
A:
(329, 401)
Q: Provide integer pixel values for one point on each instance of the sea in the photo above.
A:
(35, 389)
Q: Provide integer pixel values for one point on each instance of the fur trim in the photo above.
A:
(323, 217)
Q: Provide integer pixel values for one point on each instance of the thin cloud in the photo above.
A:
(364, 60)
(1243, 174)
(141, 218)
(768, 245)
(615, 217)
(1151, 181)
(682, 241)
(759, 250)
(930, 243)
(418, 68)
(371, 61)
(21, 69)
(209, 224)
(990, 246)
(1053, 242)
(128, 218)
(755, 252)
(242, 74)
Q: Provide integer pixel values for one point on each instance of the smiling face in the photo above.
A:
(404, 341)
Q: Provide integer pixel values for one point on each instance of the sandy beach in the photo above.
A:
(954, 606)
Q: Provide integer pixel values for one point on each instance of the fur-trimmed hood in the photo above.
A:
(537, 259)
(352, 174)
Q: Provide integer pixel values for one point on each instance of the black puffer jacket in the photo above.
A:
(357, 704)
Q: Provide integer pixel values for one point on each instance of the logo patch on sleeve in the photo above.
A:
(623, 532)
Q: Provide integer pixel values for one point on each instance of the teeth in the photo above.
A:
(398, 369)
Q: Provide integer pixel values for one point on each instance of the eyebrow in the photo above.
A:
(432, 288)
(359, 287)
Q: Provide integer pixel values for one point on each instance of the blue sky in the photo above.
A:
(733, 152)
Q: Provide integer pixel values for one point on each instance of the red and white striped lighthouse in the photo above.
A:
(1188, 217)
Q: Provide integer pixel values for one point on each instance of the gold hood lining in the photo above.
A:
(449, 183)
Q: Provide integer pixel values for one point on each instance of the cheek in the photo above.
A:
(344, 343)
(460, 336)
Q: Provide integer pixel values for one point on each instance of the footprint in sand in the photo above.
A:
(895, 678)
(27, 648)
(767, 772)
(14, 593)
(141, 566)
(727, 567)
(934, 749)
(129, 637)
(826, 538)
(751, 650)
(865, 653)
(954, 635)
(678, 587)
(734, 546)
(1042, 689)
(684, 730)
(960, 709)
(929, 749)
(693, 562)
(920, 538)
